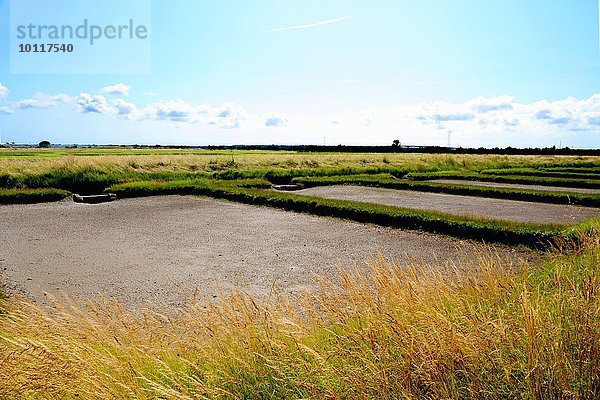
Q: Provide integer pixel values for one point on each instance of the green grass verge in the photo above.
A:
(282, 176)
(543, 173)
(527, 180)
(388, 181)
(95, 180)
(89, 180)
(29, 196)
(187, 187)
(583, 170)
(530, 235)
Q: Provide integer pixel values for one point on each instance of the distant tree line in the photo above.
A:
(397, 148)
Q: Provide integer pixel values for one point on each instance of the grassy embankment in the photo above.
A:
(551, 173)
(595, 170)
(485, 330)
(28, 196)
(529, 180)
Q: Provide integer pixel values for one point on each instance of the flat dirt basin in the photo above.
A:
(517, 186)
(509, 210)
(159, 249)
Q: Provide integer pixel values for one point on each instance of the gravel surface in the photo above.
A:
(518, 186)
(509, 210)
(157, 250)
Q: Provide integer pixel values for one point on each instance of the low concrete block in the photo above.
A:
(94, 199)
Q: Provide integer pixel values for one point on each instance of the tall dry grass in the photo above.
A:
(486, 330)
(34, 161)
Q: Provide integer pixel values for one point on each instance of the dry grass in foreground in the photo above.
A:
(389, 332)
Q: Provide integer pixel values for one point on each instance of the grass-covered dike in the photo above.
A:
(573, 182)
(30, 196)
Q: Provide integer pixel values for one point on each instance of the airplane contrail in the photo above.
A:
(313, 25)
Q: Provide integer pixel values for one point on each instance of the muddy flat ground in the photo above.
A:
(157, 250)
(517, 186)
(509, 210)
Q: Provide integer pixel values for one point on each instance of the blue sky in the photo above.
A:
(495, 73)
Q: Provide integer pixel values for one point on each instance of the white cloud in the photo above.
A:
(229, 115)
(593, 120)
(500, 120)
(504, 112)
(496, 121)
(275, 120)
(483, 105)
(453, 117)
(118, 89)
(443, 112)
(41, 100)
(175, 110)
(87, 103)
(3, 91)
(312, 25)
(129, 110)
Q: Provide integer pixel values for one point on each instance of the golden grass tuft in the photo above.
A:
(486, 330)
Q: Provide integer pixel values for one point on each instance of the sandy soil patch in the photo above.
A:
(159, 249)
(509, 210)
(517, 186)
